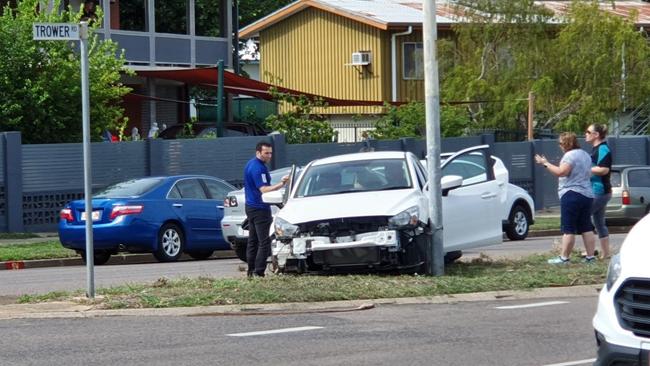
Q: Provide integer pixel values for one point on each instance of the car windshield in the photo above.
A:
(355, 176)
(130, 188)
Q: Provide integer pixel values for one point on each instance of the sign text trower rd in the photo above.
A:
(56, 31)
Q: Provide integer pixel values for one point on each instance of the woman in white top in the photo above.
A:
(576, 197)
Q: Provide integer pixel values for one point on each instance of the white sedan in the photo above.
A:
(370, 210)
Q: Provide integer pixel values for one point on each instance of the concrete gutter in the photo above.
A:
(71, 309)
(115, 259)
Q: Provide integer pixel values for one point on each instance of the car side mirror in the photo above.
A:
(273, 197)
(450, 182)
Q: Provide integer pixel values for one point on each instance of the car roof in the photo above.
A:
(361, 156)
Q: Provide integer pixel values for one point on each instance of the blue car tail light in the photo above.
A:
(66, 214)
(125, 210)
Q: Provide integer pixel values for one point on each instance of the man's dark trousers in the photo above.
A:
(259, 242)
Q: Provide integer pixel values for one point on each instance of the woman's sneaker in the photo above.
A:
(559, 260)
(589, 260)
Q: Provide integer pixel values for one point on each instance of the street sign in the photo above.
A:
(56, 31)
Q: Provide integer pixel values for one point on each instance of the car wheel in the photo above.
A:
(518, 223)
(202, 254)
(171, 242)
(451, 257)
(100, 257)
(240, 248)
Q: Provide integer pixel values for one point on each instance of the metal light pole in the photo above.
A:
(85, 105)
(436, 265)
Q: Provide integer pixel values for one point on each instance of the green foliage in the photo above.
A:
(253, 10)
(408, 120)
(40, 80)
(512, 47)
(300, 125)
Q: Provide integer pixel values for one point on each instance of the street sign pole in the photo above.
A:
(85, 105)
(78, 32)
(436, 265)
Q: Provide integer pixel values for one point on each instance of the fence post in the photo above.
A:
(279, 157)
(408, 144)
(538, 179)
(13, 176)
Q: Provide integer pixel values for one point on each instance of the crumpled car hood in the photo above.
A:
(359, 204)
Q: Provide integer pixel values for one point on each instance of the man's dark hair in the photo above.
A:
(262, 144)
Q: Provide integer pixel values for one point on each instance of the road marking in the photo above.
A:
(274, 331)
(532, 305)
(573, 363)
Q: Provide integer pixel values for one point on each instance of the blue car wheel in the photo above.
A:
(171, 243)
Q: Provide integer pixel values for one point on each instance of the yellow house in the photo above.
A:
(362, 49)
(358, 50)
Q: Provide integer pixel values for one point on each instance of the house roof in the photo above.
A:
(386, 14)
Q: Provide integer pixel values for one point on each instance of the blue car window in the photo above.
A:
(130, 188)
(218, 190)
(191, 189)
(174, 193)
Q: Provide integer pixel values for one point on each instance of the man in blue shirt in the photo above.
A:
(257, 180)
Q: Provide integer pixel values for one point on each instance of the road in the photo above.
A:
(472, 333)
(43, 280)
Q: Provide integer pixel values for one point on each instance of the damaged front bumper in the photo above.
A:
(361, 249)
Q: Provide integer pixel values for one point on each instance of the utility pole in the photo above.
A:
(436, 264)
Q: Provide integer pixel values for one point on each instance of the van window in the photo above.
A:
(615, 178)
(638, 178)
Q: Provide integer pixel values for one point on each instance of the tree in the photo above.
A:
(495, 55)
(511, 47)
(408, 120)
(300, 125)
(253, 10)
(41, 84)
(585, 84)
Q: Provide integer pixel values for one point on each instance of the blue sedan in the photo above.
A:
(166, 216)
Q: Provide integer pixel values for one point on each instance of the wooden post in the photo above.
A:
(531, 109)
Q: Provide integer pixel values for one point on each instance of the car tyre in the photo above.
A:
(99, 258)
(518, 223)
(171, 242)
(451, 257)
(240, 248)
(201, 254)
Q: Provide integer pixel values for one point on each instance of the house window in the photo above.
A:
(412, 61)
(208, 18)
(129, 15)
(171, 16)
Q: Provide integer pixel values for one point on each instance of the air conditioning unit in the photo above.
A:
(361, 58)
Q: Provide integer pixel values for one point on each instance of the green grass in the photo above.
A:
(45, 250)
(4, 236)
(482, 274)
(546, 223)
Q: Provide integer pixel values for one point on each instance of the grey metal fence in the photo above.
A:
(37, 180)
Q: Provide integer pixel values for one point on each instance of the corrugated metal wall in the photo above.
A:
(3, 201)
(56, 167)
(309, 52)
(53, 174)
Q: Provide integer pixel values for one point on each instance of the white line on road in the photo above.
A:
(574, 363)
(532, 305)
(274, 331)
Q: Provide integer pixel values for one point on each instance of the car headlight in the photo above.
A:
(613, 271)
(408, 217)
(284, 229)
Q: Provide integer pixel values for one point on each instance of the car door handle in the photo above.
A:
(488, 195)
(177, 205)
(220, 207)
